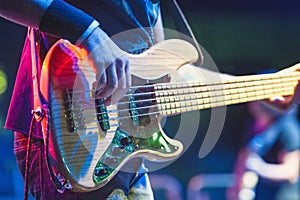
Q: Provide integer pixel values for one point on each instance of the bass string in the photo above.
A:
(206, 102)
(168, 90)
(186, 100)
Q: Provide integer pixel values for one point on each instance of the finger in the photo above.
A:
(112, 81)
(280, 103)
(122, 88)
(296, 98)
(101, 84)
(121, 76)
(128, 75)
(290, 101)
(285, 103)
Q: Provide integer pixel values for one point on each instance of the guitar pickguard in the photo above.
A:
(138, 133)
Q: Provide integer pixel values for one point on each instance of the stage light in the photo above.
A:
(3, 82)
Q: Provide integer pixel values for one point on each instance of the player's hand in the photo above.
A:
(286, 103)
(110, 64)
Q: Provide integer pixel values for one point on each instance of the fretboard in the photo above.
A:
(175, 98)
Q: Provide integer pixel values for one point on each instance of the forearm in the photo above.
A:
(54, 17)
(288, 170)
(277, 172)
(26, 13)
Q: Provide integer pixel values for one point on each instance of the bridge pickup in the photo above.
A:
(73, 112)
(133, 110)
(102, 116)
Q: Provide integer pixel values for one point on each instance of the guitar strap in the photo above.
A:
(182, 25)
(37, 111)
(36, 63)
(40, 113)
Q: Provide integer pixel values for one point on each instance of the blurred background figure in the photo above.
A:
(267, 166)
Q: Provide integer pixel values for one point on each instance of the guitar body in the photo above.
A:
(87, 143)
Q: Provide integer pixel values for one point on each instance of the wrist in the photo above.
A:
(95, 39)
(86, 34)
(99, 46)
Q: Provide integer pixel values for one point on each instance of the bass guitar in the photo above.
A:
(87, 142)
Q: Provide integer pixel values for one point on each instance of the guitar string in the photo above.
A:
(271, 91)
(192, 103)
(187, 102)
(186, 85)
(193, 97)
(203, 90)
(194, 94)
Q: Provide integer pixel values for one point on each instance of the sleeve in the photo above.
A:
(66, 21)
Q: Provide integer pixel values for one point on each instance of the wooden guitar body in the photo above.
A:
(88, 142)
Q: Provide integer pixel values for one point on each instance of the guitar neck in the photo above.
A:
(175, 98)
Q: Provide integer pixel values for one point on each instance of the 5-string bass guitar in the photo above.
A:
(88, 142)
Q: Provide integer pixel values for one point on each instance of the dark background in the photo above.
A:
(243, 37)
